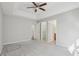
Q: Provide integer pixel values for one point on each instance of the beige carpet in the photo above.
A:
(34, 48)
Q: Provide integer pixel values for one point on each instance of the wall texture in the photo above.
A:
(0, 30)
(17, 29)
(67, 28)
(67, 25)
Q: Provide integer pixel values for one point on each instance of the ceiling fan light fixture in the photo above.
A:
(38, 6)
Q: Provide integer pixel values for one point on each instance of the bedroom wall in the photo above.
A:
(67, 25)
(0, 30)
(17, 29)
(67, 28)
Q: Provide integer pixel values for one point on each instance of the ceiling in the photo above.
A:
(52, 8)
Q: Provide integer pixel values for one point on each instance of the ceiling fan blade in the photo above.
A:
(35, 10)
(42, 4)
(30, 7)
(42, 9)
(35, 4)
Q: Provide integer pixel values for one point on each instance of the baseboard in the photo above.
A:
(60, 45)
(16, 42)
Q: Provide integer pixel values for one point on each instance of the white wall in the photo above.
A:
(67, 25)
(17, 29)
(0, 30)
(67, 28)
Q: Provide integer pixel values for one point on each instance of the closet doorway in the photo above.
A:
(52, 31)
(45, 31)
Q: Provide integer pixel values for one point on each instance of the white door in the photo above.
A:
(37, 31)
(44, 31)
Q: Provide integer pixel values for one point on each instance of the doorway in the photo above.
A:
(52, 31)
(45, 31)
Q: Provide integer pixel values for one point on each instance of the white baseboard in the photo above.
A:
(16, 42)
(61, 45)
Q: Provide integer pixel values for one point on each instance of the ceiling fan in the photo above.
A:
(38, 6)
